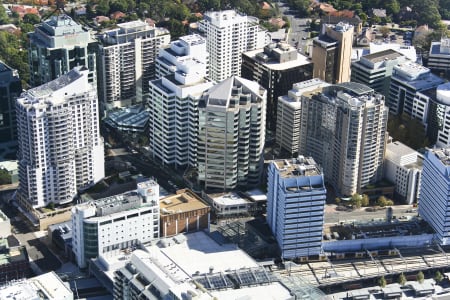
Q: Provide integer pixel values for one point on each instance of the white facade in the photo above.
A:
(60, 147)
(127, 63)
(439, 55)
(443, 115)
(230, 204)
(231, 134)
(403, 167)
(228, 35)
(115, 223)
(5, 226)
(295, 206)
(173, 101)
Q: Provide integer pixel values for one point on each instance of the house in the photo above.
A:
(378, 12)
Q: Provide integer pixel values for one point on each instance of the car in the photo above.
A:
(304, 38)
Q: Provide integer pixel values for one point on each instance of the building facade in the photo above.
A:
(295, 206)
(115, 223)
(439, 57)
(276, 68)
(231, 134)
(57, 45)
(60, 147)
(403, 167)
(332, 52)
(127, 57)
(343, 127)
(435, 191)
(10, 89)
(228, 35)
(173, 101)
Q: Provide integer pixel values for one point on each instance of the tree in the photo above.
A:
(382, 282)
(385, 31)
(438, 277)
(356, 200)
(31, 19)
(3, 15)
(381, 201)
(402, 279)
(338, 200)
(365, 200)
(5, 177)
(420, 277)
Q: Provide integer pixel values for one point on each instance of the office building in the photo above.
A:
(434, 193)
(403, 167)
(60, 147)
(127, 57)
(228, 35)
(287, 135)
(343, 127)
(14, 262)
(331, 53)
(10, 89)
(231, 134)
(295, 206)
(173, 101)
(115, 223)
(46, 286)
(439, 57)
(57, 45)
(183, 212)
(407, 79)
(276, 68)
(375, 69)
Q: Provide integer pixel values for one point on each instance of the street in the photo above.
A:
(299, 31)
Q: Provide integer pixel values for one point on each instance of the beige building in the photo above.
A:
(331, 53)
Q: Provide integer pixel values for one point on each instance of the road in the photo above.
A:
(298, 34)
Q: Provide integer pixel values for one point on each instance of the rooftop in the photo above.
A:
(296, 167)
(388, 54)
(228, 199)
(443, 155)
(184, 200)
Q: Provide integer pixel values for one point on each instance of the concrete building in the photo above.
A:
(57, 45)
(434, 193)
(295, 206)
(331, 53)
(12, 168)
(231, 205)
(343, 127)
(403, 167)
(133, 119)
(439, 57)
(115, 223)
(375, 69)
(276, 68)
(10, 89)
(228, 35)
(173, 101)
(183, 212)
(289, 112)
(5, 225)
(127, 57)
(407, 79)
(60, 147)
(231, 135)
(14, 262)
(46, 286)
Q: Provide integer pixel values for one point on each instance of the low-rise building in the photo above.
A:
(14, 263)
(231, 204)
(183, 212)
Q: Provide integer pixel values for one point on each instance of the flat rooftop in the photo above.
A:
(296, 167)
(184, 200)
(273, 64)
(399, 149)
(388, 54)
(443, 155)
(228, 199)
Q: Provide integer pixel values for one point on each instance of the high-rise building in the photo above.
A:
(228, 35)
(403, 167)
(343, 127)
(289, 113)
(231, 134)
(434, 193)
(276, 68)
(295, 206)
(375, 69)
(10, 89)
(127, 57)
(439, 57)
(60, 147)
(332, 52)
(173, 101)
(57, 45)
(115, 223)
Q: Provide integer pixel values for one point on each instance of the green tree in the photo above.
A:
(365, 200)
(420, 277)
(392, 7)
(5, 178)
(382, 201)
(402, 279)
(382, 282)
(31, 19)
(438, 277)
(4, 19)
(385, 31)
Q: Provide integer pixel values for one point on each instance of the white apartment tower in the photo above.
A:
(127, 57)
(228, 35)
(60, 147)
(295, 206)
(231, 134)
(343, 127)
(115, 223)
(173, 101)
